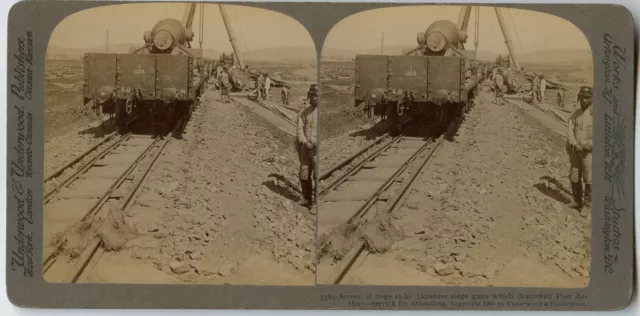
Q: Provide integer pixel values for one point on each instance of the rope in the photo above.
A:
(246, 48)
(141, 48)
(477, 28)
(185, 50)
(455, 50)
(233, 17)
(515, 30)
(201, 31)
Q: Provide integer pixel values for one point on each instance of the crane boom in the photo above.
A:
(461, 17)
(507, 38)
(232, 37)
(187, 17)
(463, 22)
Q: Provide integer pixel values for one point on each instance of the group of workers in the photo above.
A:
(538, 87)
(263, 86)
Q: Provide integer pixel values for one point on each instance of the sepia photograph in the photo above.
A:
(455, 149)
(179, 146)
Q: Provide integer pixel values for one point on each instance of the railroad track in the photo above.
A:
(276, 111)
(380, 182)
(352, 162)
(268, 107)
(59, 172)
(105, 182)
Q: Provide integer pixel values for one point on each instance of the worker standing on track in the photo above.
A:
(219, 71)
(267, 86)
(223, 82)
(285, 95)
(307, 128)
(261, 92)
(498, 84)
(560, 98)
(535, 88)
(579, 146)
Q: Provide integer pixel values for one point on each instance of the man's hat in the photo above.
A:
(585, 91)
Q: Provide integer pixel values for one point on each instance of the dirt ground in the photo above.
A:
(491, 203)
(64, 110)
(219, 207)
(70, 128)
(490, 208)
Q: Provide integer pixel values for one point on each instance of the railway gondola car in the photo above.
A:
(430, 83)
(156, 85)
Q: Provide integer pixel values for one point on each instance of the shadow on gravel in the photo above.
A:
(554, 189)
(283, 187)
(373, 132)
(100, 130)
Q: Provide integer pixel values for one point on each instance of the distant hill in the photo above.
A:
(283, 54)
(345, 55)
(554, 56)
(280, 54)
(558, 56)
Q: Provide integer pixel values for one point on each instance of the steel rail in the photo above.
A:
(92, 253)
(359, 249)
(349, 159)
(84, 168)
(358, 167)
(105, 197)
(78, 158)
(269, 108)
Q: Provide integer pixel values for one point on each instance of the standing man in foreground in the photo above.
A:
(579, 146)
(307, 129)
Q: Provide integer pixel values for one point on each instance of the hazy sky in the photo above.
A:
(530, 31)
(254, 28)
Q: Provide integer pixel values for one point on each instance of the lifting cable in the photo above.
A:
(477, 28)
(233, 18)
(515, 30)
(201, 31)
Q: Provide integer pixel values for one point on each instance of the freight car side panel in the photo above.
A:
(370, 73)
(408, 73)
(445, 74)
(173, 72)
(99, 71)
(136, 72)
